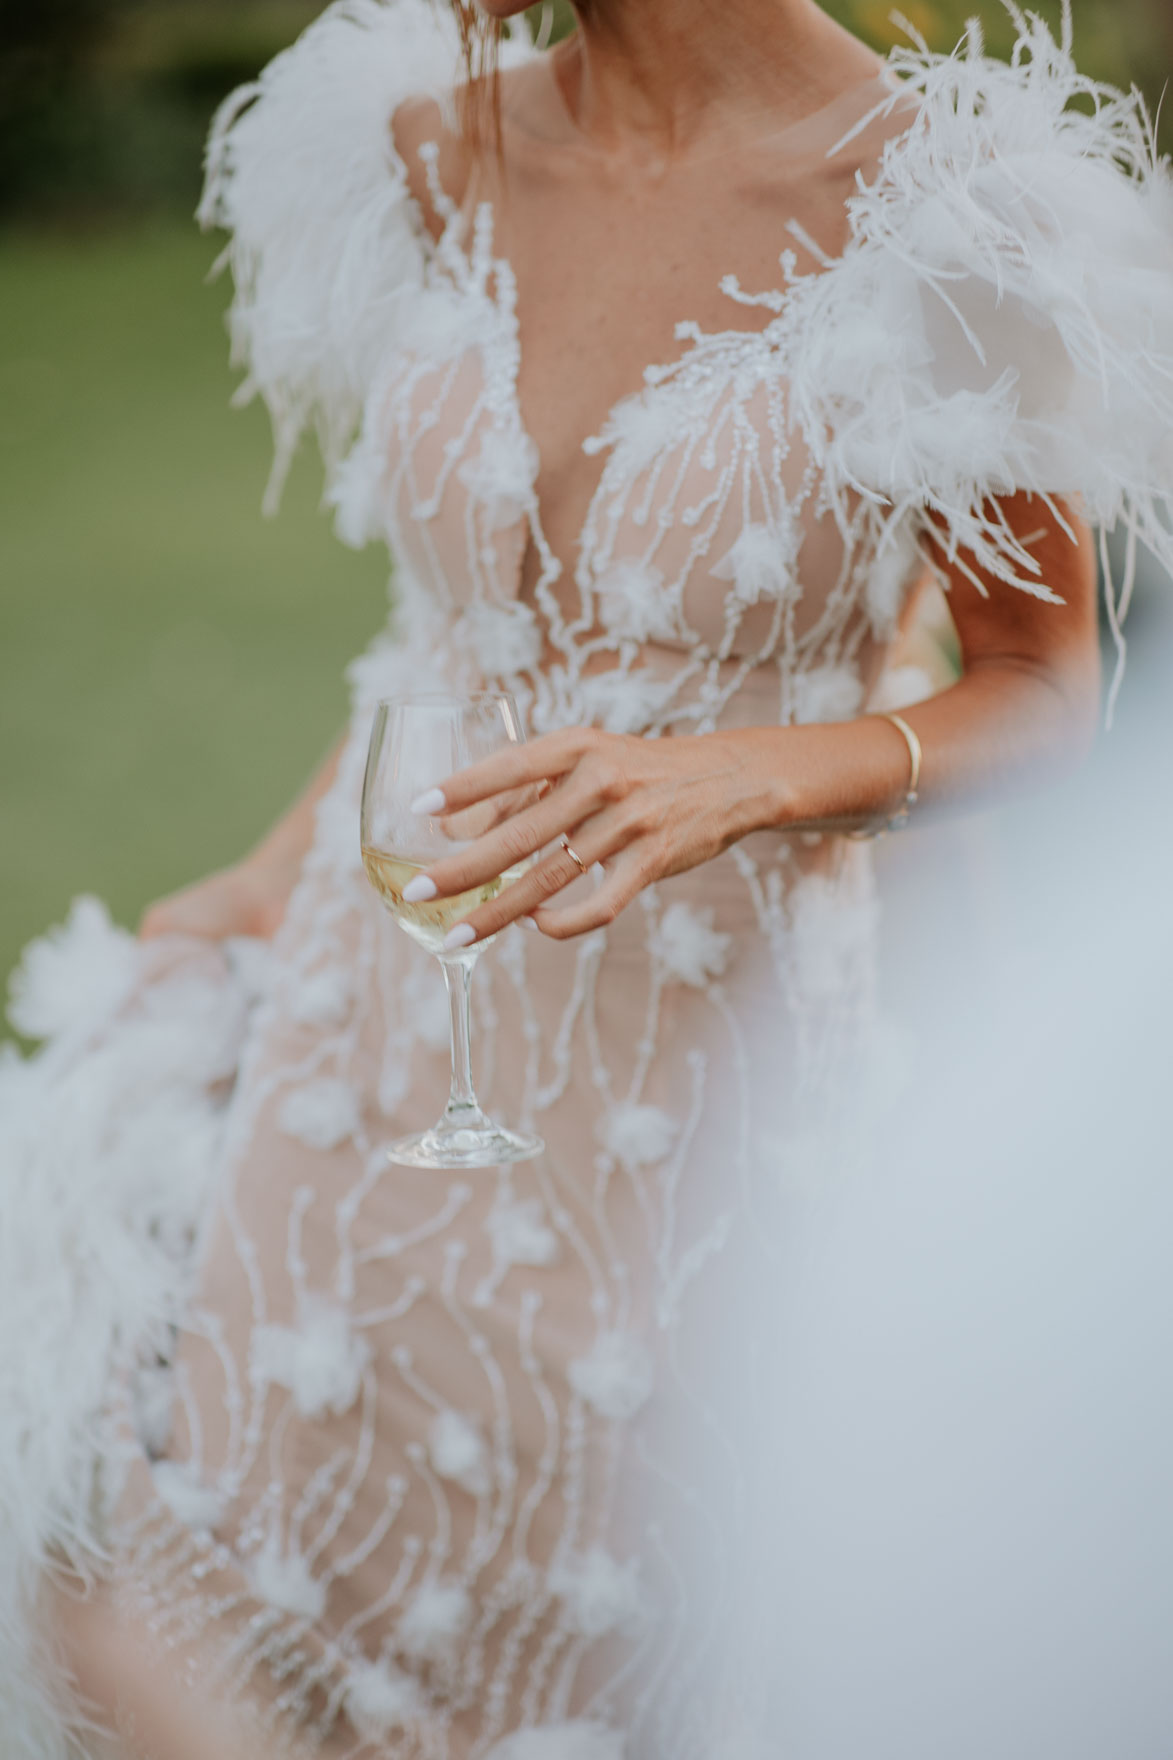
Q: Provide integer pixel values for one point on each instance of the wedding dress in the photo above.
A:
(429, 1462)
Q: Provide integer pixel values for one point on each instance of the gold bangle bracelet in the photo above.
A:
(899, 819)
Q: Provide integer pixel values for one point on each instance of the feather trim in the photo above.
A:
(1001, 319)
(325, 243)
(110, 1137)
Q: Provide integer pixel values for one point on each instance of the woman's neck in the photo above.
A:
(649, 81)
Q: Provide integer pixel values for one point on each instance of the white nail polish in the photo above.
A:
(431, 801)
(461, 936)
(419, 890)
(529, 923)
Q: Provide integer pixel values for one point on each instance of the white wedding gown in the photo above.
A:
(415, 1461)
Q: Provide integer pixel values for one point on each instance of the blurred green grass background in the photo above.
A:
(170, 664)
(170, 668)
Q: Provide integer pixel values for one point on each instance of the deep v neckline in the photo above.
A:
(464, 257)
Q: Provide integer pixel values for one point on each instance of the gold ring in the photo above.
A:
(573, 854)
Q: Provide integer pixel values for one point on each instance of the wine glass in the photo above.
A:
(416, 741)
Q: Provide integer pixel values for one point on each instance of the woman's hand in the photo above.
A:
(248, 899)
(643, 808)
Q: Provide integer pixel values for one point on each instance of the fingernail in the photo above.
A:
(461, 936)
(431, 801)
(529, 923)
(419, 890)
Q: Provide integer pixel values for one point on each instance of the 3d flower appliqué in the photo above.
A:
(196, 1505)
(599, 1594)
(637, 1135)
(826, 693)
(615, 1378)
(321, 999)
(284, 1580)
(503, 638)
(634, 602)
(520, 1233)
(380, 1699)
(435, 1619)
(892, 569)
(759, 563)
(622, 702)
(687, 947)
(321, 1114)
(458, 1452)
(829, 932)
(899, 687)
(320, 1360)
(501, 476)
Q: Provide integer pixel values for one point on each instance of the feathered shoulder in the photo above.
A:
(1001, 319)
(325, 240)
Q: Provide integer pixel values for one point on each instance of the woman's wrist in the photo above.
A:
(827, 776)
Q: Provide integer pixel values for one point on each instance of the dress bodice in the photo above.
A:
(709, 583)
(761, 500)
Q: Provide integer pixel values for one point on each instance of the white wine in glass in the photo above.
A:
(416, 741)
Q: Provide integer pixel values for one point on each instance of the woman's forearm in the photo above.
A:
(1001, 727)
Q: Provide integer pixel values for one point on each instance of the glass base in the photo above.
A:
(464, 1146)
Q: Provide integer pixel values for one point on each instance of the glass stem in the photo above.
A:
(462, 1108)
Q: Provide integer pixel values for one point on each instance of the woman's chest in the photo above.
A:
(606, 274)
(589, 422)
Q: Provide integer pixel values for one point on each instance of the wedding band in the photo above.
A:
(573, 854)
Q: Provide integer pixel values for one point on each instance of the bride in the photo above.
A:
(669, 363)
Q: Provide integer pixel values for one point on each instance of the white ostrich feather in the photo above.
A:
(326, 249)
(1002, 317)
(75, 977)
(110, 1138)
(301, 170)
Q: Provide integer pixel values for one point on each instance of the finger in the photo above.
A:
(626, 876)
(509, 844)
(540, 760)
(539, 884)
